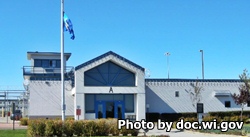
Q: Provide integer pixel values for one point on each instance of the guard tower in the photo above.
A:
(42, 79)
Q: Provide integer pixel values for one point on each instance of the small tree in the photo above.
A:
(244, 96)
(195, 94)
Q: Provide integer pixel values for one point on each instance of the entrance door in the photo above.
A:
(110, 109)
(100, 109)
(119, 110)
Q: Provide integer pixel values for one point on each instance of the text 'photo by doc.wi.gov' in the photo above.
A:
(181, 125)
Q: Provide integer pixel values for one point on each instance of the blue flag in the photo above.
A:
(68, 26)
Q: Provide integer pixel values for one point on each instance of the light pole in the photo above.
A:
(167, 54)
(202, 59)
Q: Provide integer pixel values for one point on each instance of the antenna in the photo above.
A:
(147, 73)
(26, 84)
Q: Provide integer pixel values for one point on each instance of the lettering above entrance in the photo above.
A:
(109, 74)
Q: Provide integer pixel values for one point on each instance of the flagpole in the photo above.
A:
(62, 63)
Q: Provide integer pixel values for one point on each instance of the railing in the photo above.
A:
(31, 70)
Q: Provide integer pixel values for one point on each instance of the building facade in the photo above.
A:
(111, 86)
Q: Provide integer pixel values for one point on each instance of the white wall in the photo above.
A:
(138, 90)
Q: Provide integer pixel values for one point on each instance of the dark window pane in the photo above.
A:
(58, 63)
(176, 93)
(129, 103)
(37, 63)
(45, 63)
(89, 103)
(227, 104)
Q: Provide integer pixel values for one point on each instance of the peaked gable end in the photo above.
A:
(105, 55)
(109, 74)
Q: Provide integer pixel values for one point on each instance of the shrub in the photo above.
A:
(36, 128)
(70, 118)
(229, 113)
(77, 128)
(100, 127)
(24, 121)
(89, 128)
(152, 117)
(112, 127)
(211, 118)
(50, 128)
(68, 127)
(58, 127)
(171, 117)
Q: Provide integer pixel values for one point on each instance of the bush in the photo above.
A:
(24, 121)
(36, 127)
(112, 127)
(152, 117)
(68, 128)
(100, 127)
(70, 118)
(77, 128)
(58, 127)
(229, 113)
(235, 118)
(89, 128)
(50, 128)
(211, 118)
(171, 117)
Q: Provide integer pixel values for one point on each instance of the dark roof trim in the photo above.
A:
(192, 80)
(107, 54)
(29, 53)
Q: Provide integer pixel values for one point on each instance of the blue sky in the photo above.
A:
(139, 30)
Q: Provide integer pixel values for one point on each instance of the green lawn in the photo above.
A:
(13, 133)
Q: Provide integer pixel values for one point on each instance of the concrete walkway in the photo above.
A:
(185, 133)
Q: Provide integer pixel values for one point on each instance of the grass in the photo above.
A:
(13, 133)
(18, 133)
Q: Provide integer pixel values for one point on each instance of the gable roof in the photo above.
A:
(105, 55)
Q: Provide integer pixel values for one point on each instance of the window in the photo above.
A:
(109, 74)
(176, 93)
(89, 103)
(37, 63)
(58, 63)
(46, 63)
(129, 103)
(248, 103)
(227, 104)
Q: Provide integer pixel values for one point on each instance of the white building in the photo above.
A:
(112, 86)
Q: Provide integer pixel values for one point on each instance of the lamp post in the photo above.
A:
(167, 54)
(202, 59)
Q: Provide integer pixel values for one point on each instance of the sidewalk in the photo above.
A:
(9, 125)
(185, 133)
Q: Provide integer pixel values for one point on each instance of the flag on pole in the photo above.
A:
(68, 26)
